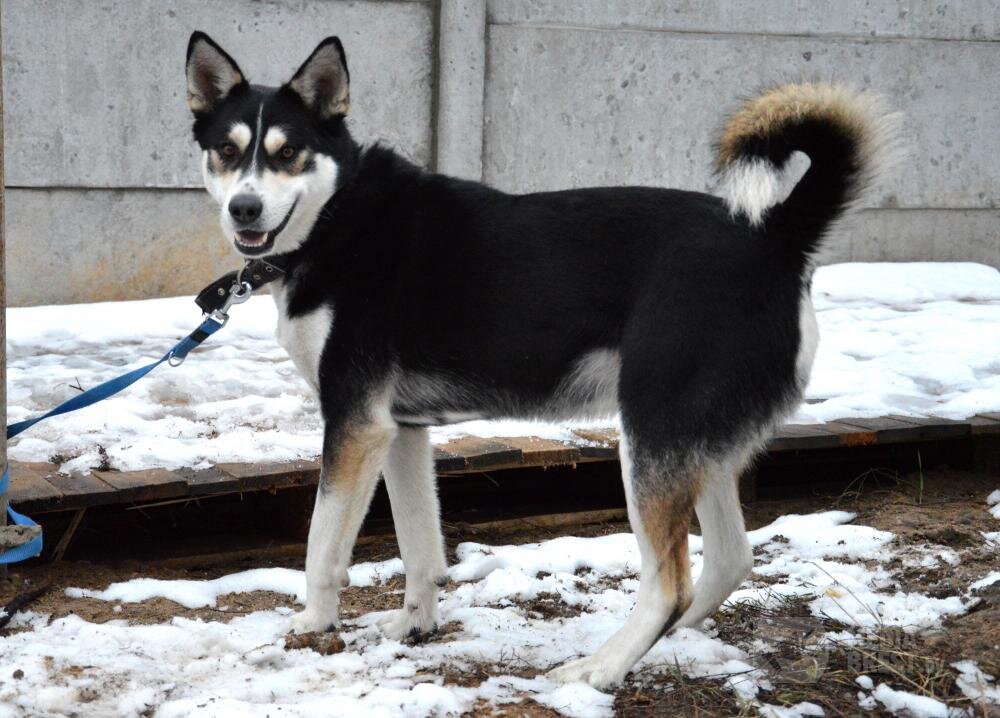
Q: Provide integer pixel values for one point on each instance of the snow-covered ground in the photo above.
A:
(912, 339)
(186, 667)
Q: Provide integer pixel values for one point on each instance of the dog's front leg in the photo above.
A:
(352, 459)
(410, 481)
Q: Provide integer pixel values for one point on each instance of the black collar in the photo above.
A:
(256, 273)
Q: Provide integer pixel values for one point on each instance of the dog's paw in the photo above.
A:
(309, 621)
(596, 672)
(410, 623)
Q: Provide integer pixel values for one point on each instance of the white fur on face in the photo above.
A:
(279, 192)
(311, 190)
(274, 140)
(241, 135)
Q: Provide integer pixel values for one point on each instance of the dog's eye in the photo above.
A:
(288, 152)
(228, 149)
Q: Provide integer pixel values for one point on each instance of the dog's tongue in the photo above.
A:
(251, 239)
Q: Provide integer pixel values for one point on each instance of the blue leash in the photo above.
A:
(212, 323)
(112, 386)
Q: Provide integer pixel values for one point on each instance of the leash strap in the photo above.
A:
(111, 387)
(215, 300)
(25, 550)
(175, 356)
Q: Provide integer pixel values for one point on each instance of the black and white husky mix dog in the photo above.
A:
(410, 299)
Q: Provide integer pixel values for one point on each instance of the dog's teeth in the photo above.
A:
(251, 239)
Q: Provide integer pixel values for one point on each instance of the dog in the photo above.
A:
(410, 299)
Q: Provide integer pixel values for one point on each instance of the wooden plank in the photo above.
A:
(30, 490)
(259, 477)
(202, 482)
(74, 524)
(933, 427)
(984, 424)
(600, 444)
(887, 430)
(480, 454)
(78, 491)
(147, 485)
(851, 435)
(544, 452)
(445, 462)
(794, 437)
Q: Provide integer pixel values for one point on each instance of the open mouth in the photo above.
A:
(254, 243)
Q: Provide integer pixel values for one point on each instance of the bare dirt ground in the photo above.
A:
(944, 507)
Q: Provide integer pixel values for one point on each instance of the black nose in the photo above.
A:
(245, 208)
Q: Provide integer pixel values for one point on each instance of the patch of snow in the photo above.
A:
(975, 684)
(914, 705)
(865, 682)
(199, 594)
(200, 668)
(987, 580)
(799, 710)
(911, 339)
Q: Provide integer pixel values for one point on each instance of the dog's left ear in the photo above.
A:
(323, 82)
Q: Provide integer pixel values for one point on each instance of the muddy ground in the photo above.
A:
(942, 507)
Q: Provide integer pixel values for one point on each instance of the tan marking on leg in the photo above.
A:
(665, 521)
(358, 453)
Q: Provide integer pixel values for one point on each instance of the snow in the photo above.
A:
(915, 706)
(987, 580)
(993, 501)
(915, 339)
(975, 684)
(195, 667)
(198, 594)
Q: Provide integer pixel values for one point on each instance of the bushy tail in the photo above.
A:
(847, 135)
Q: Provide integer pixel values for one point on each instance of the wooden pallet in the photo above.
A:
(38, 488)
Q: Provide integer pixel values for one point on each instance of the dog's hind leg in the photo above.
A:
(410, 481)
(659, 507)
(727, 555)
(352, 459)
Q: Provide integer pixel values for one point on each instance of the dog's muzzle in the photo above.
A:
(253, 243)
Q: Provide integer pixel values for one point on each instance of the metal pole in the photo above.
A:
(3, 324)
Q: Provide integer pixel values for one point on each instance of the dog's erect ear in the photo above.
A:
(323, 81)
(211, 73)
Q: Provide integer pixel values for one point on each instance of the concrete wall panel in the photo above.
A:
(66, 246)
(570, 107)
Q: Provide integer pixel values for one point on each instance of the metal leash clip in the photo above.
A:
(238, 293)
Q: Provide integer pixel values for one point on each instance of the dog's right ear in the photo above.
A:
(211, 73)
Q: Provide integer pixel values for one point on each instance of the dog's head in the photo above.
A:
(272, 157)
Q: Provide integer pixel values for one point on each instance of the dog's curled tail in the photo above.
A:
(848, 136)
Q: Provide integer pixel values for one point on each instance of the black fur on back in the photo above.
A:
(497, 297)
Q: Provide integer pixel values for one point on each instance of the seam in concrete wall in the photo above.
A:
(733, 33)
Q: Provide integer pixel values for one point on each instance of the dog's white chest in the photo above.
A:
(303, 337)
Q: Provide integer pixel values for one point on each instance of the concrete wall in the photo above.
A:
(105, 202)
